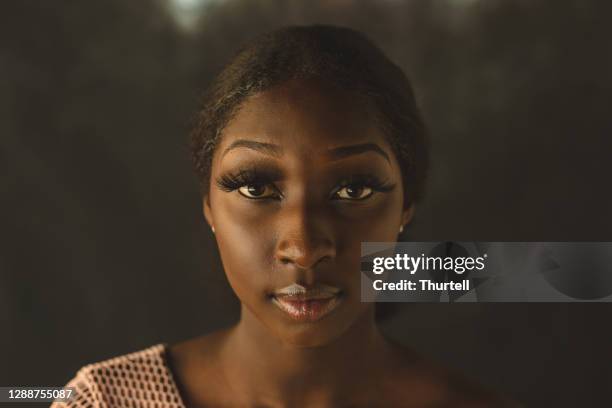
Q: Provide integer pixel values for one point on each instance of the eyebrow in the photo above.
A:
(335, 153)
(265, 148)
(345, 151)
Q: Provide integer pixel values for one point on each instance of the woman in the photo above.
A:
(309, 143)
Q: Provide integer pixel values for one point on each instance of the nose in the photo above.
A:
(304, 238)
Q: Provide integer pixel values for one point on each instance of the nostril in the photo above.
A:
(304, 255)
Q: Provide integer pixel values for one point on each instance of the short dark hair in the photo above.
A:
(341, 56)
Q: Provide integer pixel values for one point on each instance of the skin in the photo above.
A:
(310, 234)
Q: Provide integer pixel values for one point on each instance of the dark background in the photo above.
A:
(103, 249)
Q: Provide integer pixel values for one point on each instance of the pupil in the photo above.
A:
(354, 191)
(256, 190)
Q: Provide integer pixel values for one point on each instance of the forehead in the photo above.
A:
(306, 116)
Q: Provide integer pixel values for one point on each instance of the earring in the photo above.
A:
(401, 229)
(212, 227)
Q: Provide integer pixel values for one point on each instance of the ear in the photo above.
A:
(207, 210)
(407, 215)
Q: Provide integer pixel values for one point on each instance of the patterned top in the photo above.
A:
(137, 380)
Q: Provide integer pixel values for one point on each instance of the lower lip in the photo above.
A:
(306, 310)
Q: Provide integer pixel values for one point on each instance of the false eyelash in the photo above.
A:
(365, 180)
(233, 181)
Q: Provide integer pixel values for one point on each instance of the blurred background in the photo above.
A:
(103, 249)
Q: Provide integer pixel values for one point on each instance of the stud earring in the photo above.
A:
(401, 229)
(212, 227)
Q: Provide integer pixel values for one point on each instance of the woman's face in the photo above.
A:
(301, 177)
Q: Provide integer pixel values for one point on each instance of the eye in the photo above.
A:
(251, 183)
(358, 187)
(354, 192)
(257, 191)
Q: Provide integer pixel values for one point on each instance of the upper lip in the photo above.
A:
(299, 292)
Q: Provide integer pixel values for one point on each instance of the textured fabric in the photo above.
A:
(137, 380)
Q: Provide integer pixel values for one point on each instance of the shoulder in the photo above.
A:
(465, 392)
(133, 379)
(426, 383)
(197, 371)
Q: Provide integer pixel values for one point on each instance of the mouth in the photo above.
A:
(307, 305)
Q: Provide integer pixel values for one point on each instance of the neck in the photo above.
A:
(262, 366)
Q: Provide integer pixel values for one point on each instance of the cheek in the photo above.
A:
(375, 222)
(244, 246)
(378, 221)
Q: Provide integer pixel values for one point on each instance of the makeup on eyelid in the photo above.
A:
(265, 177)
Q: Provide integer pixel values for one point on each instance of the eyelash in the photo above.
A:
(231, 182)
(365, 181)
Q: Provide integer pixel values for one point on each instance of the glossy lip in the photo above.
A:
(307, 304)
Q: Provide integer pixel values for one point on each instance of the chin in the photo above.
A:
(309, 337)
(313, 334)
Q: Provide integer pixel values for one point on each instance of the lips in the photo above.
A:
(307, 304)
